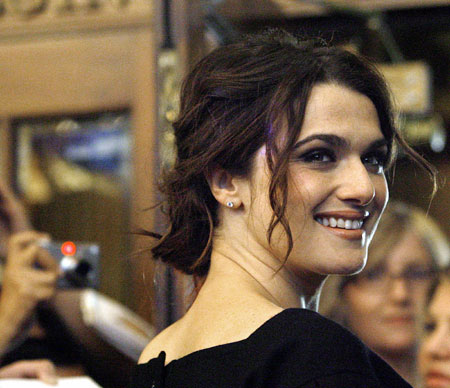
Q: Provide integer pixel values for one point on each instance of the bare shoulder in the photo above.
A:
(206, 328)
(162, 342)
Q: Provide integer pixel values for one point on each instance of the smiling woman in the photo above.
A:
(282, 149)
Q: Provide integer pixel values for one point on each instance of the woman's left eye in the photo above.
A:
(376, 161)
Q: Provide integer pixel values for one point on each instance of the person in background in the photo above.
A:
(434, 350)
(282, 149)
(40, 321)
(382, 304)
(23, 284)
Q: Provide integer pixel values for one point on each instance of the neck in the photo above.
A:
(403, 363)
(264, 275)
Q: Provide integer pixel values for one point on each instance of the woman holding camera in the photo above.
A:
(282, 150)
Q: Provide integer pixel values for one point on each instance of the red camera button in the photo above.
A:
(68, 248)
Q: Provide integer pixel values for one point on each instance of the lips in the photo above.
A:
(436, 379)
(341, 223)
(400, 319)
(346, 223)
(345, 219)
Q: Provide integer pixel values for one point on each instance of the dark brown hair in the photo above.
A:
(232, 103)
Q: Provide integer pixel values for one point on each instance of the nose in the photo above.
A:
(399, 291)
(356, 183)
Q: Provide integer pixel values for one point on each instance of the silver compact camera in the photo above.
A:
(79, 262)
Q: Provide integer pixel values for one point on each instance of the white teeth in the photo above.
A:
(340, 223)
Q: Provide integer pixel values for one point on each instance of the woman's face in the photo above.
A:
(434, 353)
(337, 187)
(383, 302)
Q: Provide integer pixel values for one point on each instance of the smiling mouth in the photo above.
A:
(435, 379)
(400, 319)
(340, 223)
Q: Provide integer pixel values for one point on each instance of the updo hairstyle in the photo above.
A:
(236, 100)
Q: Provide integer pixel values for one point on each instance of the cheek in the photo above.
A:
(306, 190)
(259, 217)
(381, 191)
(422, 359)
(362, 307)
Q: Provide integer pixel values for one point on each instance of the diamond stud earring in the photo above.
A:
(230, 204)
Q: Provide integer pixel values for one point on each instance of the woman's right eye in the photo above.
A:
(318, 156)
(374, 274)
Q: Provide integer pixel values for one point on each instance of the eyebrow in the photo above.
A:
(332, 140)
(337, 141)
(378, 144)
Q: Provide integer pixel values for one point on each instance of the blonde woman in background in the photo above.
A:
(434, 352)
(381, 304)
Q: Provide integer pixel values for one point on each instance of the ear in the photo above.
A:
(224, 188)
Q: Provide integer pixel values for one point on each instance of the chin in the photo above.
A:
(359, 268)
(345, 270)
(392, 342)
(399, 346)
(351, 265)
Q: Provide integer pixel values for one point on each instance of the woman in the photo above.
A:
(434, 352)
(382, 304)
(279, 181)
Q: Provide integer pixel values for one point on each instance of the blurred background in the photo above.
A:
(88, 89)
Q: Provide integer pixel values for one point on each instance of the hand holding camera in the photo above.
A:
(34, 268)
(24, 285)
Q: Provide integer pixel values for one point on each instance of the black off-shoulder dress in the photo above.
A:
(297, 348)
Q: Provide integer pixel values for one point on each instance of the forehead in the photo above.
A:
(336, 109)
(440, 305)
(408, 251)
